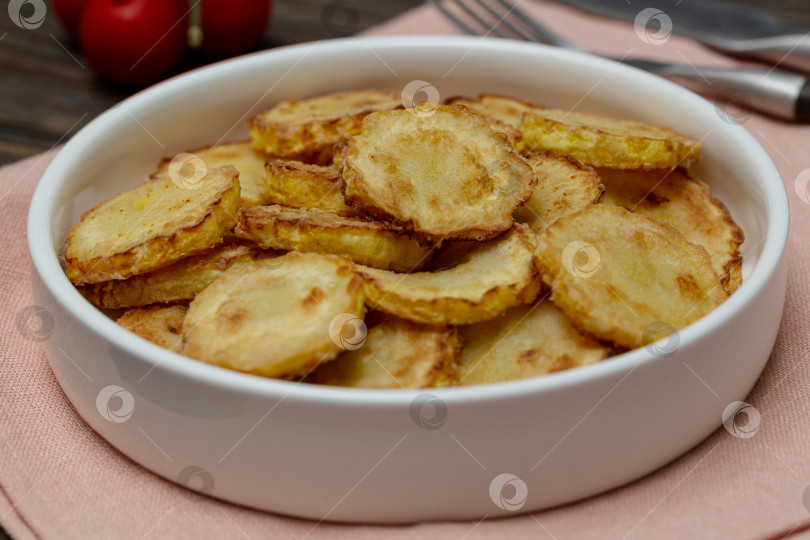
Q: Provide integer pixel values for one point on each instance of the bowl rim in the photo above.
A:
(46, 264)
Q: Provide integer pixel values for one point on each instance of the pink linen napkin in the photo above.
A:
(59, 479)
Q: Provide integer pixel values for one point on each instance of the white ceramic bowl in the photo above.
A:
(400, 456)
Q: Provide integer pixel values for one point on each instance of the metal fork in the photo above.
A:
(777, 93)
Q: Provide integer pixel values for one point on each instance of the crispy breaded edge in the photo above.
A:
(478, 233)
(161, 169)
(279, 186)
(162, 250)
(573, 161)
(600, 148)
(442, 372)
(453, 310)
(328, 174)
(286, 140)
(732, 279)
(480, 98)
(493, 303)
(551, 268)
(294, 366)
(278, 231)
(514, 135)
(132, 320)
(147, 288)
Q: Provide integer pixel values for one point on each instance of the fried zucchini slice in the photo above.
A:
(451, 254)
(441, 175)
(503, 114)
(501, 108)
(247, 160)
(311, 126)
(604, 142)
(674, 197)
(616, 274)
(495, 276)
(178, 281)
(563, 185)
(151, 226)
(525, 342)
(362, 241)
(272, 317)
(337, 157)
(512, 134)
(297, 184)
(161, 324)
(396, 354)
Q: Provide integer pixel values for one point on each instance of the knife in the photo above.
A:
(731, 28)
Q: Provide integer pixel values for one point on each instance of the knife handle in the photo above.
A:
(777, 93)
(790, 51)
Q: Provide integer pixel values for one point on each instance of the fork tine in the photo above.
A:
(455, 20)
(505, 19)
(509, 17)
(545, 34)
(480, 20)
(467, 29)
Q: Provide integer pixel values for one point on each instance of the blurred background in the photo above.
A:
(63, 62)
(49, 88)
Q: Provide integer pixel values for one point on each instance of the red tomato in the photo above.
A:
(70, 12)
(231, 27)
(132, 42)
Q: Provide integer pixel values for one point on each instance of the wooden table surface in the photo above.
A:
(47, 92)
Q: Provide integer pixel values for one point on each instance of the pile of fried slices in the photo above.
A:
(355, 242)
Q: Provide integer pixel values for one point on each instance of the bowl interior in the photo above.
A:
(117, 150)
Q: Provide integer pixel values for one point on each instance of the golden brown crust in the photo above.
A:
(674, 197)
(181, 280)
(161, 324)
(433, 216)
(396, 354)
(362, 241)
(311, 126)
(605, 142)
(512, 134)
(503, 113)
(498, 275)
(616, 274)
(274, 317)
(151, 226)
(563, 185)
(451, 254)
(241, 154)
(502, 108)
(440, 175)
(526, 341)
(301, 185)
